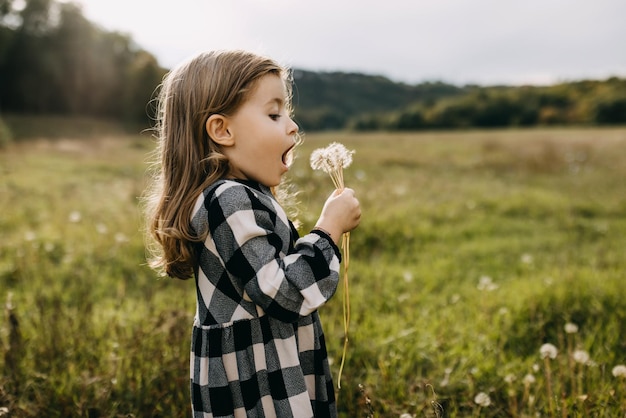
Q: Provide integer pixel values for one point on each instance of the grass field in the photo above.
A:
(476, 249)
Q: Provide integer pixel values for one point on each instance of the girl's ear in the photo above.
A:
(217, 128)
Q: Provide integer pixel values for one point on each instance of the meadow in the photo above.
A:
(486, 278)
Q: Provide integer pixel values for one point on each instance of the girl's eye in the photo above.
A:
(274, 116)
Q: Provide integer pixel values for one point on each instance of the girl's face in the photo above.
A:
(262, 134)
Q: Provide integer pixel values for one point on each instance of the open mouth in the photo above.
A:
(287, 156)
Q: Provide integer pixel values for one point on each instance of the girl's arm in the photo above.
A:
(250, 238)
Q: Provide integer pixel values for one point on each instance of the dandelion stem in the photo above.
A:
(345, 246)
(549, 385)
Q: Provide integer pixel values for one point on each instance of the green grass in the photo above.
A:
(89, 330)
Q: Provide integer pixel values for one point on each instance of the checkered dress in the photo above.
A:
(257, 346)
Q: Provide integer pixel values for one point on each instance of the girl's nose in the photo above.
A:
(293, 127)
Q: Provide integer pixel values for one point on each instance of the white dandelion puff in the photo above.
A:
(571, 328)
(548, 351)
(75, 216)
(509, 378)
(120, 238)
(529, 379)
(102, 229)
(486, 283)
(581, 356)
(482, 399)
(619, 371)
(332, 160)
(527, 258)
(30, 236)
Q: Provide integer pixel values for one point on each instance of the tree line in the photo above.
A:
(359, 102)
(53, 61)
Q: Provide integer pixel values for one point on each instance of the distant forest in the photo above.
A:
(53, 61)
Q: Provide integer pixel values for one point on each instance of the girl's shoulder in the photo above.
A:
(234, 188)
(232, 195)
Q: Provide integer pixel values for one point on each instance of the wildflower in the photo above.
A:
(75, 217)
(509, 378)
(482, 399)
(120, 238)
(619, 371)
(487, 284)
(30, 236)
(571, 328)
(400, 190)
(548, 350)
(101, 228)
(581, 356)
(529, 379)
(527, 258)
(408, 276)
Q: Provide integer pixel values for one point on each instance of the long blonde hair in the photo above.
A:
(186, 159)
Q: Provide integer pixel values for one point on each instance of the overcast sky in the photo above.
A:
(456, 41)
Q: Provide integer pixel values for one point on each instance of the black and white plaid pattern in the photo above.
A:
(258, 347)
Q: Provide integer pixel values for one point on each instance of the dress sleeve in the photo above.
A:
(253, 240)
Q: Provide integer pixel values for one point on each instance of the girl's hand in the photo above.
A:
(341, 213)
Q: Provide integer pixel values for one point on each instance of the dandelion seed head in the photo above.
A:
(527, 258)
(30, 236)
(482, 399)
(486, 283)
(529, 379)
(509, 378)
(403, 297)
(581, 356)
(319, 161)
(548, 351)
(332, 158)
(619, 371)
(75, 216)
(571, 328)
(102, 229)
(120, 238)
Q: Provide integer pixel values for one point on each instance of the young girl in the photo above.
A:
(225, 135)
